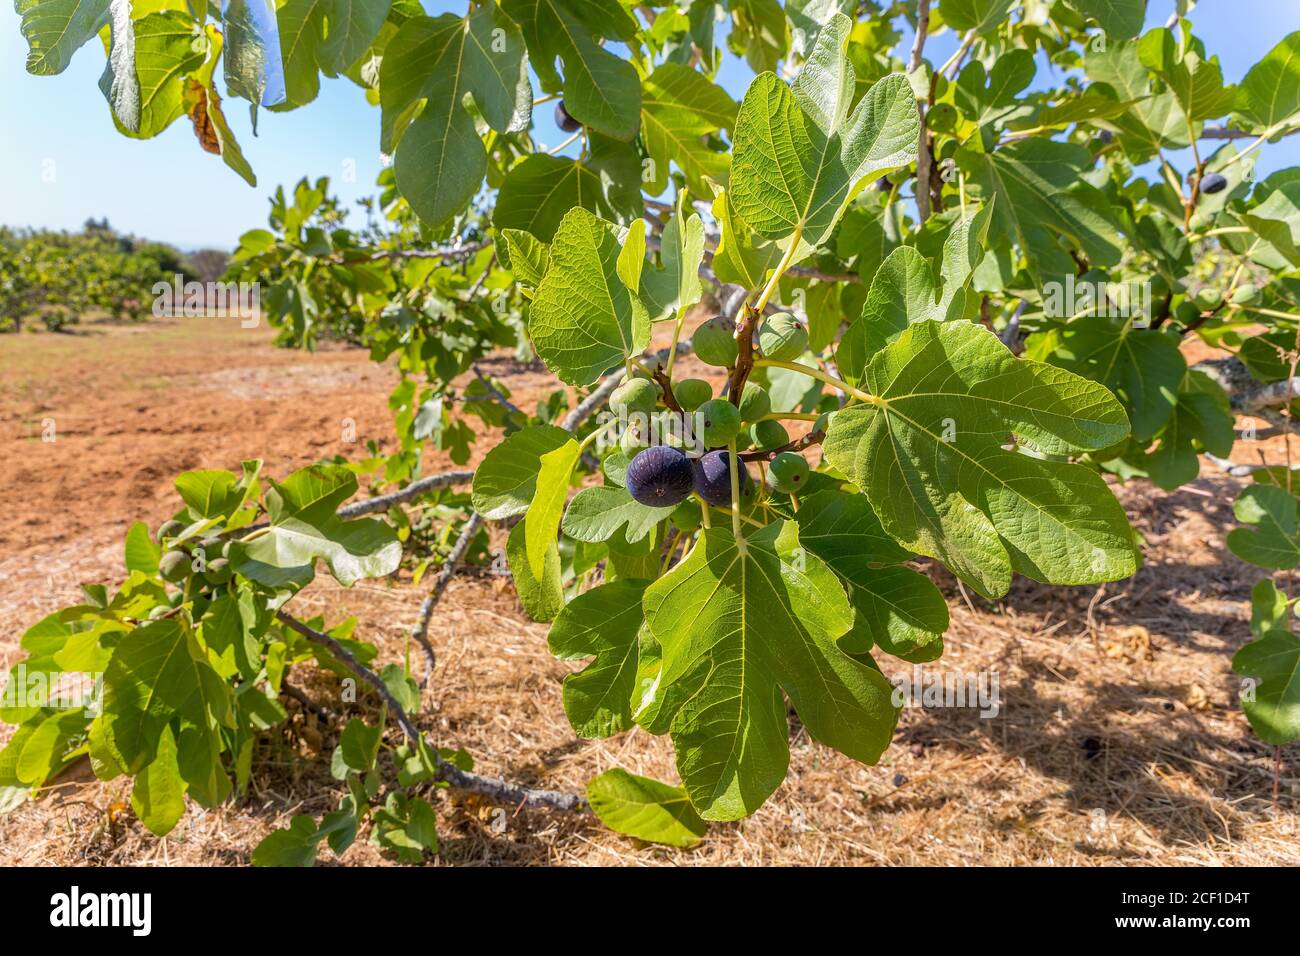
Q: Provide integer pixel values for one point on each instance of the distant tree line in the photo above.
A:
(56, 277)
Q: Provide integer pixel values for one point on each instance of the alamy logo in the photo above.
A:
(73, 909)
(241, 300)
(62, 690)
(1071, 298)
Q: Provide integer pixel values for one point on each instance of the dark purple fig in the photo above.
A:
(564, 121)
(660, 476)
(713, 479)
(1213, 183)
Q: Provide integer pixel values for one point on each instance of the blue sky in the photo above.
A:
(63, 160)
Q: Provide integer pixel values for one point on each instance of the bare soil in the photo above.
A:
(1118, 741)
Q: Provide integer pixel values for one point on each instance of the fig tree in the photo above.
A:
(713, 479)
(691, 393)
(564, 121)
(660, 477)
(715, 342)
(788, 472)
(782, 337)
(720, 421)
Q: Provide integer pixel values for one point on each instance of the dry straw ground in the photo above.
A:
(1118, 741)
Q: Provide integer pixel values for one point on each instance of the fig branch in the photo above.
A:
(744, 352)
(814, 437)
(494, 788)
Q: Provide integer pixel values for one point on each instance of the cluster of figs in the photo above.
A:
(199, 564)
(665, 475)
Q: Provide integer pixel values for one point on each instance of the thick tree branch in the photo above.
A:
(1244, 392)
(495, 788)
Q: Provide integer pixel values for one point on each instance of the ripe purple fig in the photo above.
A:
(713, 479)
(660, 476)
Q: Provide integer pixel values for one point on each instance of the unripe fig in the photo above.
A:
(636, 435)
(660, 477)
(686, 516)
(219, 571)
(564, 121)
(176, 599)
(691, 393)
(720, 420)
(1213, 183)
(669, 429)
(1209, 299)
(634, 395)
(713, 479)
(174, 566)
(715, 342)
(1246, 294)
(788, 472)
(754, 402)
(170, 529)
(782, 337)
(158, 612)
(768, 434)
(1186, 313)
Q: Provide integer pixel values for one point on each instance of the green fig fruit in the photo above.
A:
(714, 342)
(634, 395)
(788, 472)
(691, 393)
(782, 337)
(768, 434)
(754, 402)
(174, 566)
(719, 420)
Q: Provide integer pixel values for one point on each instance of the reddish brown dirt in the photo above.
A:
(1119, 739)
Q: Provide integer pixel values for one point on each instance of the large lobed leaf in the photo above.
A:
(737, 628)
(929, 453)
(584, 320)
(800, 155)
(440, 161)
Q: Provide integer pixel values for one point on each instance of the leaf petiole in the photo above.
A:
(821, 376)
(786, 261)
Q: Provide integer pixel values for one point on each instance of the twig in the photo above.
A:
(449, 252)
(923, 140)
(493, 787)
(744, 351)
(494, 391)
(420, 632)
(799, 444)
(416, 488)
(318, 709)
(666, 384)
